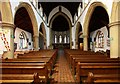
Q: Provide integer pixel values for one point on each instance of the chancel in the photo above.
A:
(70, 41)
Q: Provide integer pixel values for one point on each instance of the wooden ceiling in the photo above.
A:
(22, 20)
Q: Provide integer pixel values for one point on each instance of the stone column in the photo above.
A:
(76, 43)
(70, 38)
(36, 42)
(10, 28)
(85, 43)
(114, 39)
(50, 39)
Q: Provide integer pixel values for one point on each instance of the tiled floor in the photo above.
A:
(62, 73)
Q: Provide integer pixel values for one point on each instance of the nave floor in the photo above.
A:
(62, 73)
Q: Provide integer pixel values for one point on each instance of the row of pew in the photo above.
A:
(93, 67)
(34, 67)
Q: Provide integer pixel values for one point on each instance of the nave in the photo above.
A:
(60, 66)
(31, 33)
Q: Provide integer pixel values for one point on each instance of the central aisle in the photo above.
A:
(62, 71)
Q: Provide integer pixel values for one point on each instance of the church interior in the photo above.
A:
(59, 42)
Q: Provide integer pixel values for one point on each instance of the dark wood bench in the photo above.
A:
(98, 68)
(20, 79)
(78, 53)
(42, 54)
(26, 69)
(102, 79)
(51, 59)
(92, 60)
(72, 57)
(48, 62)
(40, 62)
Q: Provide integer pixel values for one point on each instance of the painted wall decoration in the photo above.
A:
(4, 40)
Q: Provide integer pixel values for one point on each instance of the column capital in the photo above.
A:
(4, 24)
(114, 24)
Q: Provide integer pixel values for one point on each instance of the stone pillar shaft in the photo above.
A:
(85, 43)
(10, 49)
(36, 42)
(114, 39)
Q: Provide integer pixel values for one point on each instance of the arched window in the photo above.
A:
(68, 39)
(23, 40)
(65, 39)
(60, 39)
(55, 39)
(100, 39)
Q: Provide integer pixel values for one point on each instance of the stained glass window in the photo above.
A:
(23, 40)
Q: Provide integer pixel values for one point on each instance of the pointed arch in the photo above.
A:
(32, 16)
(42, 36)
(87, 21)
(32, 22)
(77, 34)
(69, 23)
(43, 30)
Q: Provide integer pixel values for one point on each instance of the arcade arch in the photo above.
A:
(42, 37)
(98, 18)
(26, 20)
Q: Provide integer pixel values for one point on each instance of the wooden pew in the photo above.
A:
(26, 69)
(20, 78)
(76, 57)
(47, 61)
(102, 79)
(41, 55)
(43, 58)
(28, 62)
(98, 68)
(72, 57)
(36, 62)
(72, 53)
(92, 60)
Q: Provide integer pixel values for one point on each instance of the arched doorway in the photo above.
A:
(78, 36)
(25, 20)
(61, 31)
(42, 37)
(98, 18)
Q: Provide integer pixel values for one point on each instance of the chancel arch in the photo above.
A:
(60, 24)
